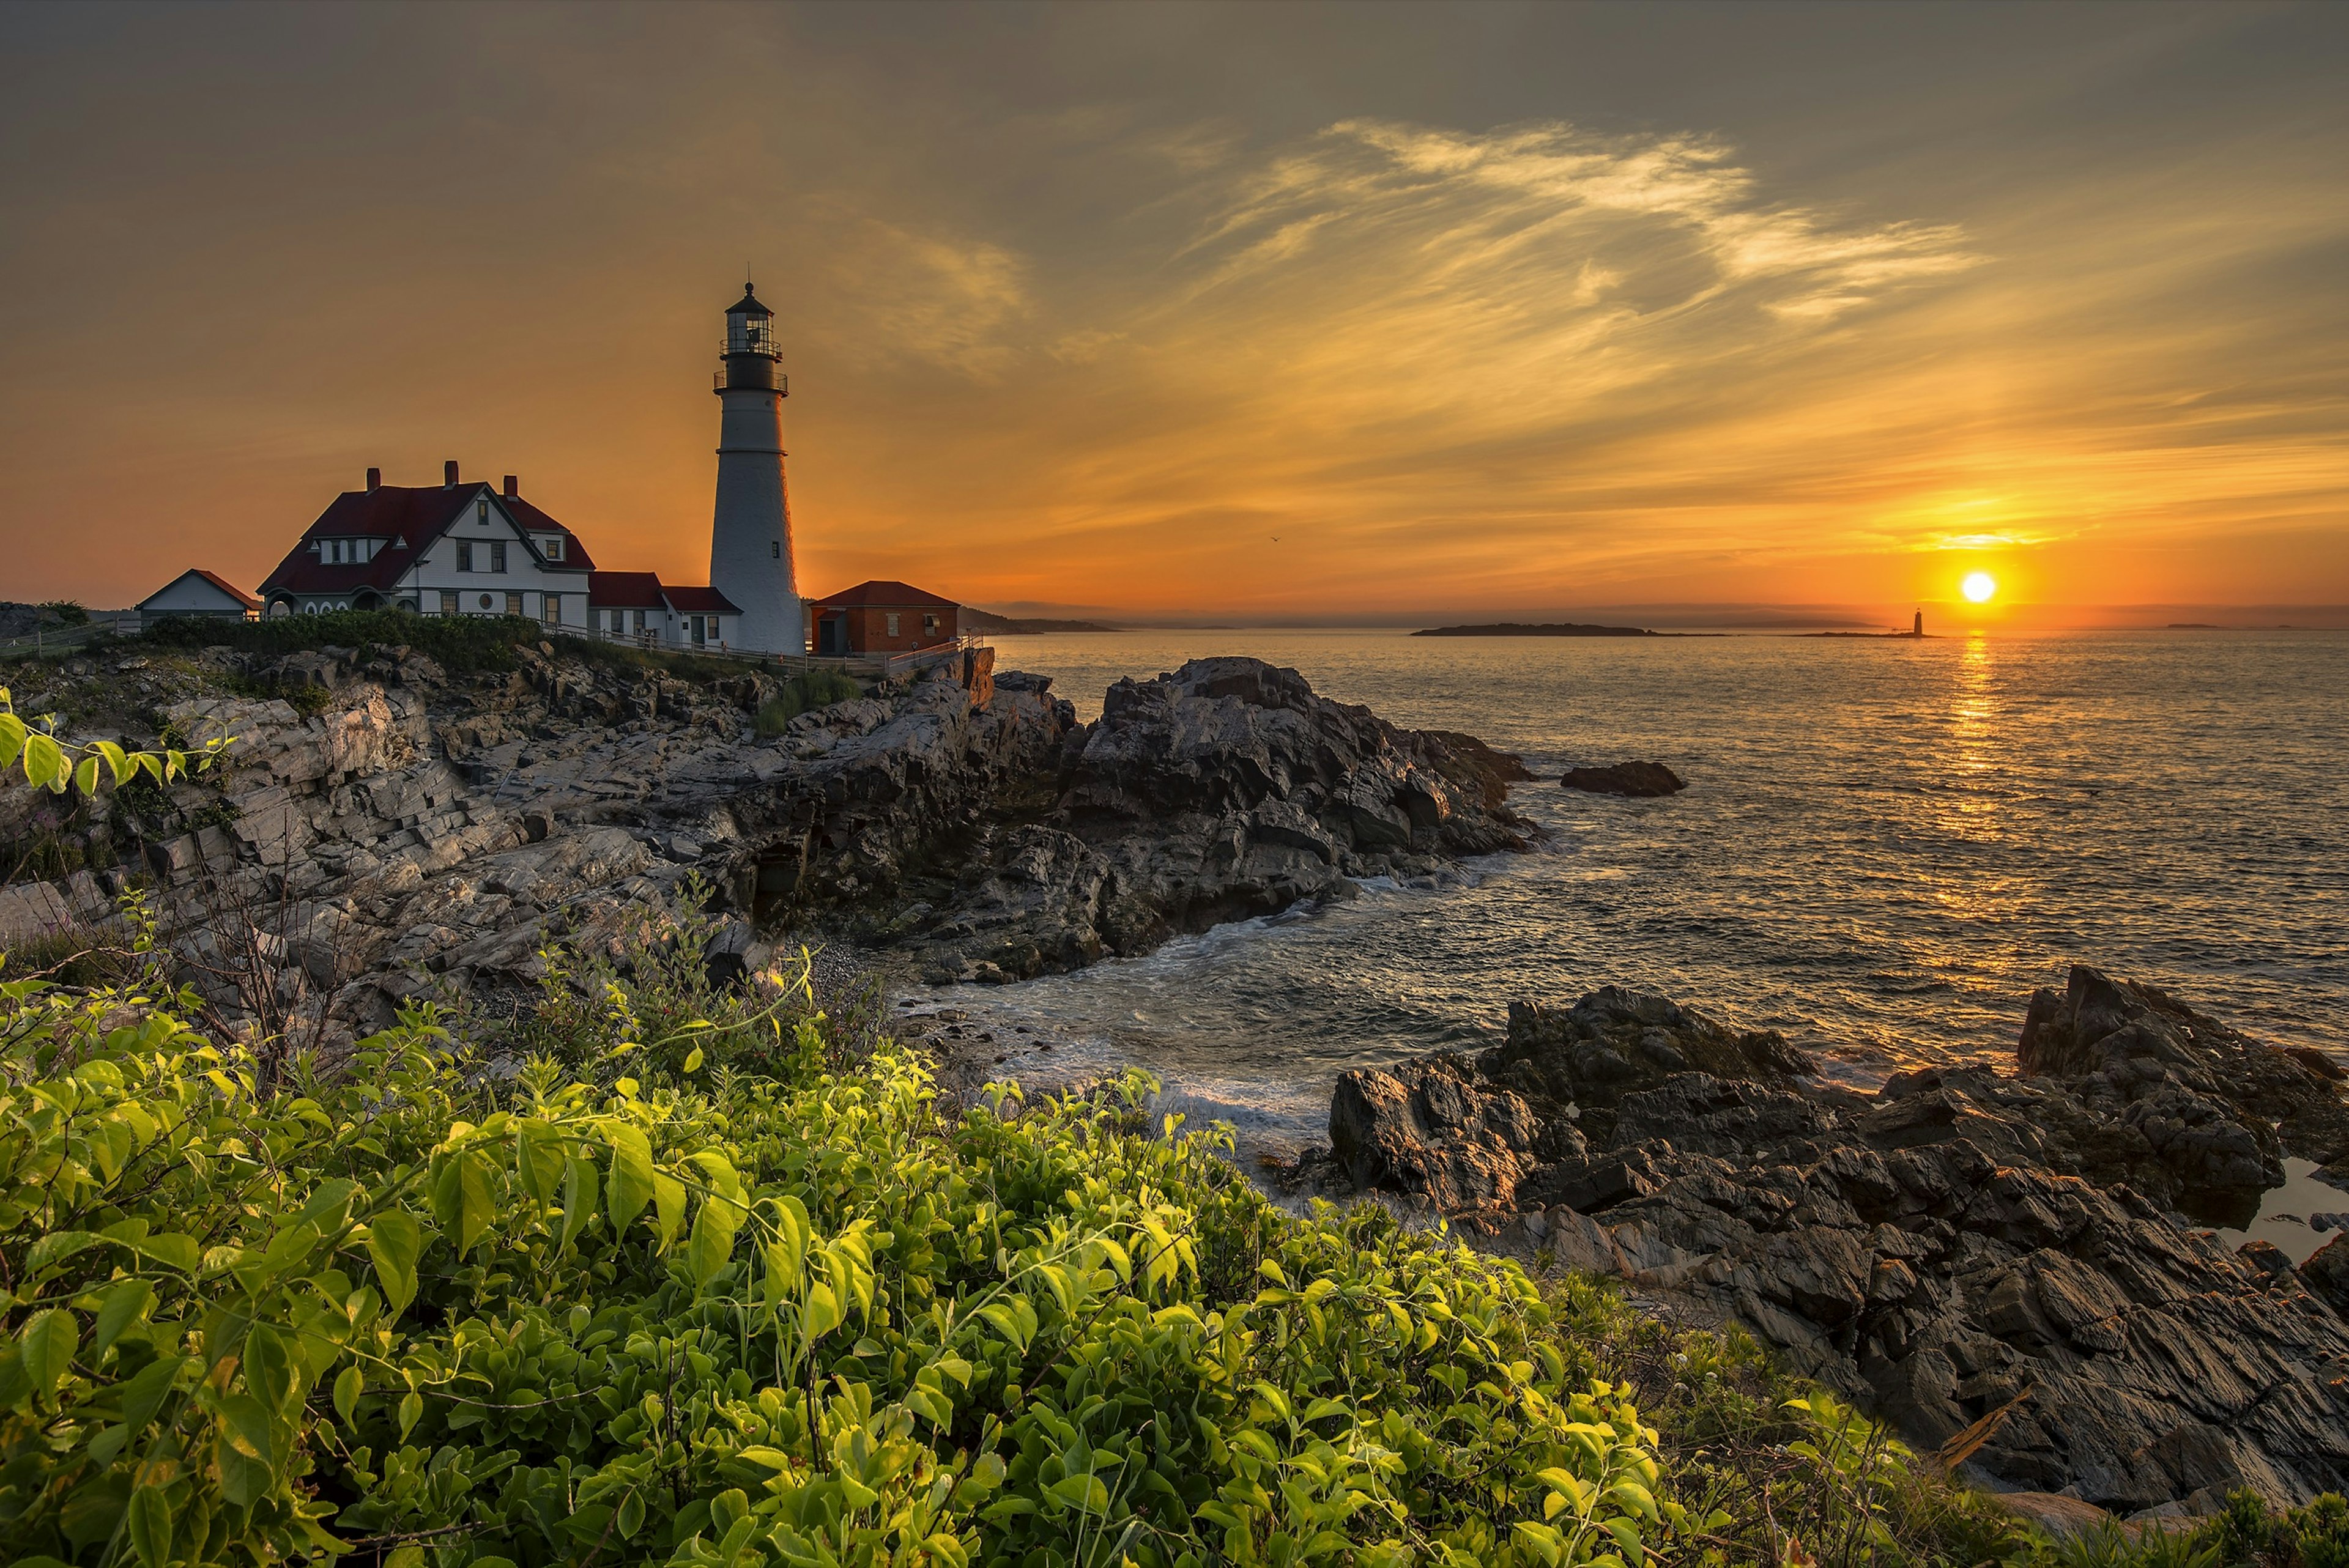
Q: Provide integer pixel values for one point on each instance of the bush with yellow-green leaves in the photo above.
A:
(430, 1312)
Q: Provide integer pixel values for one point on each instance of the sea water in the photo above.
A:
(1884, 847)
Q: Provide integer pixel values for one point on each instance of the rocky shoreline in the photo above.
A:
(2024, 1248)
(2018, 1247)
(386, 830)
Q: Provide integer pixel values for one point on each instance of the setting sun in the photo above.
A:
(1978, 587)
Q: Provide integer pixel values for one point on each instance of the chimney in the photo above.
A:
(513, 486)
(375, 479)
(449, 473)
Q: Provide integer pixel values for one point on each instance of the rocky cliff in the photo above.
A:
(401, 831)
(1965, 1242)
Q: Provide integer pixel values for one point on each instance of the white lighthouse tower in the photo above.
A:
(751, 534)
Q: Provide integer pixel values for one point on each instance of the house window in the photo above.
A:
(550, 609)
(497, 555)
(640, 620)
(481, 511)
(893, 625)
(464, 558)
(514, 603)
(554, 548)
(776, 547)
(929, 625)
(447, 601)
(486, 603)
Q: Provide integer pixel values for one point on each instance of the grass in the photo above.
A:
(462, 645)
(803, 694)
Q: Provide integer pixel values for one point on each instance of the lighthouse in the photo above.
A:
(750, 531)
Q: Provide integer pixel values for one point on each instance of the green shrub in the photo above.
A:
(709, 1315)
(462, 643)
(804, 692)
(63, 612)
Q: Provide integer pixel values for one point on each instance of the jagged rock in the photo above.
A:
(1960, 1240)
(2326, 1274)
(1614, 1042)
(2193, 1075)
(1428, 1128)
(1224, 790)
(1639, 779)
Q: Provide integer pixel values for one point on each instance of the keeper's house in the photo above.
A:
(467, 549)
(881, 617)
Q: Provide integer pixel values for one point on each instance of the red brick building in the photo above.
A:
(881, 617)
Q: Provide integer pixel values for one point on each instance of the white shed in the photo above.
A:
(197, 591)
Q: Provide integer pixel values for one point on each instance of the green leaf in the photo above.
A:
(630, 1185)
(172, 1250)
(668, 1195)
(823, 1313)
(348, 1385)
(43, 759)
(477, 1210)
(57, 1246)
(579, 1195)
(150, 1526)
(12, 738)
(395, 1241)
(49, 1343)
(713, 1239)
(538, 1161)
(118, 762)
(267, 1370)
(246, 1428)
(412, 1407)
(85, 776)
(693, 1060)
(144, 1394)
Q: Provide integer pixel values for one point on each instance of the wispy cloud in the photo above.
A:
(925, 295)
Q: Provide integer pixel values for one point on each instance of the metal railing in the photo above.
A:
(57, 639)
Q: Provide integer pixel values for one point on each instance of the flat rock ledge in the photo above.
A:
(1643, 781)
(1967, 1240)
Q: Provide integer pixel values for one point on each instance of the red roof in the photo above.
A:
(625, 591)
(701, 600)
(409, 518)
(214, 578)
(227, 587)
(890, 595)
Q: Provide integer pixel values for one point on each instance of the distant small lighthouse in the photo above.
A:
(750, 532)
(1917, 629)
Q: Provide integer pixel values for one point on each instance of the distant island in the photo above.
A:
(1006, 627)
(1897, 636)
(1557, 629)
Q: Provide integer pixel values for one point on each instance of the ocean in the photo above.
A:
(1884, 847)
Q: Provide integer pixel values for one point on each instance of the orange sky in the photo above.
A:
(1197, 311)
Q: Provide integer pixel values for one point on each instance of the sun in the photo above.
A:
(1978, 587)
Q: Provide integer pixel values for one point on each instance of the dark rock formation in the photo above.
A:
(1224, 790)
(1945, 1246)
(1635, 778)
(419, 833)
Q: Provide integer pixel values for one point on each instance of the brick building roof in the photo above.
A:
(884, 595)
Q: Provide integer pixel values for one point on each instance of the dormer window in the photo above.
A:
(554, 548)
